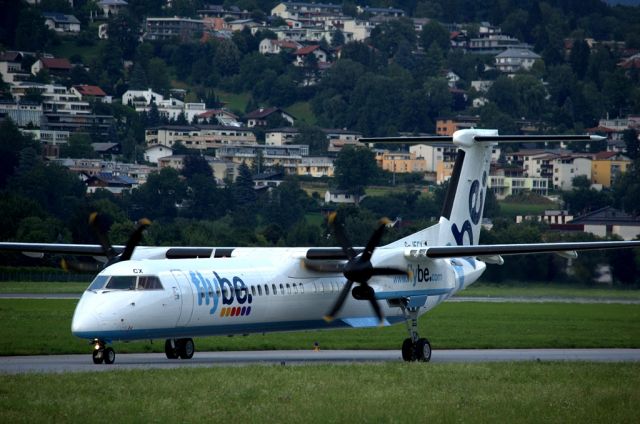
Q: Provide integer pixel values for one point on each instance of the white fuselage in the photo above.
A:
(258, 290)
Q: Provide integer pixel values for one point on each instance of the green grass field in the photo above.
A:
(302, 112)
(512, 209)
(548, 290)
(43, 327)
(393, 392)
(233, 101)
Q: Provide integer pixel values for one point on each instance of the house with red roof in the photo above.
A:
(55, 66)
(259, 117)
(90, 92)
(269, 46)
(301, 54)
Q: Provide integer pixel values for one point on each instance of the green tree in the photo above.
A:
(579, 58)
(433, 32)
(337, 39)
(56, 189)
(123, 32)
(34, 229)
(31, 33)
(630, 137)
(78, 146)
(159, 197)
(12, 141)
(158, 75)
(314, 137)
(388, 36)
(244, 199)
(354, 168)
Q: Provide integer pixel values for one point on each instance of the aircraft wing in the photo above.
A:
(96, 250)
(56, 248)
(515, 249)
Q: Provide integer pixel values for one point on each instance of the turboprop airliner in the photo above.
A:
(177, 293)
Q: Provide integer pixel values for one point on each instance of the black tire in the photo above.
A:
(170, 350)
(408, 350)
(109, 356)
(423, 350)
(186, 348)
(98, 356)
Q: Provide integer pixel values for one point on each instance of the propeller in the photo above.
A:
(359, 269)
(99, 226)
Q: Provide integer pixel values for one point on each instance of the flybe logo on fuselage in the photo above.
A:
(233, 293)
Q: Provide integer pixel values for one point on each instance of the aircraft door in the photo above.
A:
(183, 293)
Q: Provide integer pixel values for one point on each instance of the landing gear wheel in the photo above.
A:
(171, 349)
(98, 356)
(185, 348)
(408, 350)
(423, 350)
(109, 356)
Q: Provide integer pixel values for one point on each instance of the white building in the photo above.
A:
(157, 151)
(61, 23)
(356, 30)
(316, 166)
(281, 136)
(513, 60)
(171, 108)
(112, 7)
(565, 169)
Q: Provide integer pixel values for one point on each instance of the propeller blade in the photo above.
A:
(96, 222)
(134, 239)
(388, 271)
(374, 241)
(339, 302)
(339, 234)
(376, 309)
(77, 266)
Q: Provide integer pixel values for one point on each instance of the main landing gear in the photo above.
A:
(414, 348)
(101, 353)
(179, 348)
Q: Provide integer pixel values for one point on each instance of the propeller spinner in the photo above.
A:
(359, 269)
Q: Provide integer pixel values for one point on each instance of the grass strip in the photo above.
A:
(43, 287)
(390, 392)
(34, 327)
(547, 290)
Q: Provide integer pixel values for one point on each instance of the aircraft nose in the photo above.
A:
(84, 320)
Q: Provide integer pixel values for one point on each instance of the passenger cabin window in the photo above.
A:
(275, 291)
(149, 283)
(259, 290)
(266, 289)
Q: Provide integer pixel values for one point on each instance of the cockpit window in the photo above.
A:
(122, 282)
(98, 282)
(149, 283)
(126, 282)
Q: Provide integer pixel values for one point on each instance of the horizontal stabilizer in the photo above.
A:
(514, 249)
(481, 138)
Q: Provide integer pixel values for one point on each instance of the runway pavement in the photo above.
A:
(83, 363)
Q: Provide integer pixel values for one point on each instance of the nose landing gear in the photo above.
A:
(101, 353)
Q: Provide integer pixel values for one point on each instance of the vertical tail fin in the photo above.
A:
(464, 202)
